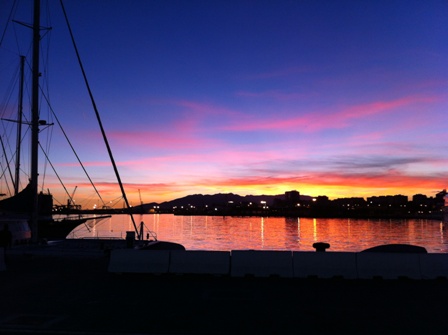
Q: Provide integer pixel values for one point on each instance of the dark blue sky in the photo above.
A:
(343, 98)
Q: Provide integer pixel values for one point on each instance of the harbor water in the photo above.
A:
(273, 233)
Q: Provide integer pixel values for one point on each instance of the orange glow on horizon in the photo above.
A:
(362, 187)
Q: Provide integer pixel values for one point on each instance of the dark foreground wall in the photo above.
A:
(60, 294)
(286, 264)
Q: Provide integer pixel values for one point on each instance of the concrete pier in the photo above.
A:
(285, 264)
(69, 293)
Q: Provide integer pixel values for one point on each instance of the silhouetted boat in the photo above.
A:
(16, 215)
(27, 214)
(38, 207)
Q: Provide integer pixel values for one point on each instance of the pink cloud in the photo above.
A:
(180, 136)
(324, 119)
(378, 107)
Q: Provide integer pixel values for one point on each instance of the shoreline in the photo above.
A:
(434, 217)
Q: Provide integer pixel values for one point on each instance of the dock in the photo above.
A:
(46, 292)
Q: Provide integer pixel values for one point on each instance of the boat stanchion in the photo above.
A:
(130, 238)
(140, 236)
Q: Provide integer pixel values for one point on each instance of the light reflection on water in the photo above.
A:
(268, 233)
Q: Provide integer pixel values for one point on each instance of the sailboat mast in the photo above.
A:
(35, 123)
(103, 132)
(19, 126)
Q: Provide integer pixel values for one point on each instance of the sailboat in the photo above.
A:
(27, 214)
(38, 205)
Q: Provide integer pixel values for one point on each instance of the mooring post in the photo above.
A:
(321, 246)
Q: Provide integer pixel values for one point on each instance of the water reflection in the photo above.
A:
(262, 232)
(233, 233)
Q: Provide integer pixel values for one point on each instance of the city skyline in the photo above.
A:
(344, 99)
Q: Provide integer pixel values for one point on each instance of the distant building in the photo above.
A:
(292, 199)
(386, 200)
(350, 202)
(419, 199)
(441, 198)
(292, 196)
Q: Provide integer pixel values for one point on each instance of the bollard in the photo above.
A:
(321, 246)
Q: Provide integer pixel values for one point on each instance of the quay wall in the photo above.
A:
(284, 264)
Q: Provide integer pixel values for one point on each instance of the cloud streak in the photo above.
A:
(326, 119)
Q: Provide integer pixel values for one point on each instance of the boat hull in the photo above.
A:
(19, 228)
(58, 229)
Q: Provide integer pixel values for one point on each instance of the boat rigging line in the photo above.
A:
(73, 149)
(19, 125)
(106, 142)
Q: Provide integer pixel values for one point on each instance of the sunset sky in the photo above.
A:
(337, 98)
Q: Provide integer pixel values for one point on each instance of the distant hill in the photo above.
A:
(200, 200)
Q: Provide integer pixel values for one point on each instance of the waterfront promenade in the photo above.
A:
(72, 293)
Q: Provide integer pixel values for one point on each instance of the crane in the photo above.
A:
(70, 201)
(140, 195)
